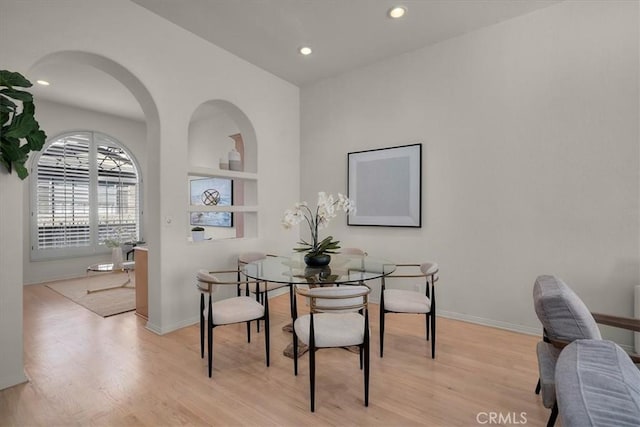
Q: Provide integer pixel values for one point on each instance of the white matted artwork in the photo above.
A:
(386, 186)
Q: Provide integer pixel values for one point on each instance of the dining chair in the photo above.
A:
(352, 251)
(411, 301)
(248, 286)
(338, 317)
(237, 309)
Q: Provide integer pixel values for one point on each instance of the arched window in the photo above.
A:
(85, 188)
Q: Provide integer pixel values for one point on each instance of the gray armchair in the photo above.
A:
(565, 318)
(597, 384)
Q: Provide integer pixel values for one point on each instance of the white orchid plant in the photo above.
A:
(326, 209)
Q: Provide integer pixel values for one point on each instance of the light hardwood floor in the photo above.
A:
(86, 370)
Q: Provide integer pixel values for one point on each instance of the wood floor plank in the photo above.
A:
(88, 370)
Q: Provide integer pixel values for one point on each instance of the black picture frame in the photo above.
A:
(386, 186)
(211, 219)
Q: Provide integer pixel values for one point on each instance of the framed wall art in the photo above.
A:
(211, 192)
(386, 186)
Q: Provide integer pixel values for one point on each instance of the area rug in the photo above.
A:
(104, 303)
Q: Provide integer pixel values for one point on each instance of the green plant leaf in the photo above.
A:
(4, 118)
(11, 78)
(36, 139)
(7, 105)
(20, 169)
(20, 95)
(21, 126)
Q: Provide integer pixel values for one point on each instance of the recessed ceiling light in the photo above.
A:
(43, 82)
(397, 12)
(305, 50)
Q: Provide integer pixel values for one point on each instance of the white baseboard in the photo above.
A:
(12, 380)
(170, 328)
(513, 327)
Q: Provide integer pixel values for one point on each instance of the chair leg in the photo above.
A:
(249, 331)
(381, 329)
(291, 300)
(266, 327)
(433, 335)
(210, 337)
(258, 299)
(553, 416)
(367, 358)
(312, 366)
(427, 323)
(361, 355)
(538, 387)
(201, 325)
(295, 352)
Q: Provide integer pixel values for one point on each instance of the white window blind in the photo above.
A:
(86, 190)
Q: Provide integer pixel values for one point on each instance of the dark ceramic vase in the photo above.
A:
(317, 260)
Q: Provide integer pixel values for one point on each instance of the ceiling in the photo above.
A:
(344, 35)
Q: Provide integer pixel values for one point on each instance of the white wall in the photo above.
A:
(56, 119)
(530, 157)
(178, 71)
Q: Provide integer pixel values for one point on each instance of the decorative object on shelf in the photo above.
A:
(197, 234)
(317, 251)
(210, 197)
(235, 161)
(15, 126)
(224, 164)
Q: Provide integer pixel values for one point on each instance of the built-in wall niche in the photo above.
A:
(222, 176)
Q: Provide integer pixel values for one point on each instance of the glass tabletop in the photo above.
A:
(341, 269)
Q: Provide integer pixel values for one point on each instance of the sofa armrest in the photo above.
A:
(628, 323)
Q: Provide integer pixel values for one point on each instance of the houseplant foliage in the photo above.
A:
(317, 251)
(20, 132)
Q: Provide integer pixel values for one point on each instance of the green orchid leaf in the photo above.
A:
(10, 78)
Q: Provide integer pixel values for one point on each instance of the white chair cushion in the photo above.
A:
(235, 310)
(332, 329)
(402, 301)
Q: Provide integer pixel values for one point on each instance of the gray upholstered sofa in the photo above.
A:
(597, 384)
(565, 318)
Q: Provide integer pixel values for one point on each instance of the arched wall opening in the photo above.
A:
(222, 157)
(151, 176)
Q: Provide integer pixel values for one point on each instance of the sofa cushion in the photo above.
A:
(562, 313)
(597, 384)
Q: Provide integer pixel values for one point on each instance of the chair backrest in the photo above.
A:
(345, 298)
(430, 269)
(562, 313)
(352, 251)
(206, 281)
(247, 257)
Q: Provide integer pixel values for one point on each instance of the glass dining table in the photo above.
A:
(342, 270)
